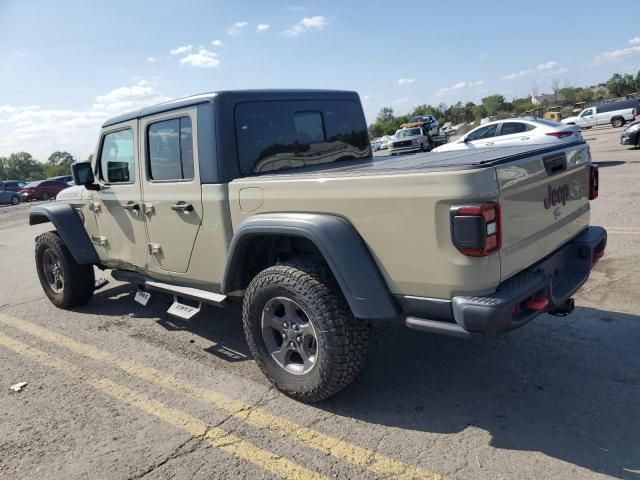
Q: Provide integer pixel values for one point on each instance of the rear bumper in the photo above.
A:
(543, 287)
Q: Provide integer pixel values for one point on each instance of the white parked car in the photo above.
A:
(511, 132)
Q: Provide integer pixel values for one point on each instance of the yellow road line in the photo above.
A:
(257, 417)
(216, 436)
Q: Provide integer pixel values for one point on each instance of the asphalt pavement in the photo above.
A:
(120, 391)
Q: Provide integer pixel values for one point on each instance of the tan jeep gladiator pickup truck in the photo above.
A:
(273, 197)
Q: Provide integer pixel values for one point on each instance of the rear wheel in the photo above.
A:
(15, 200)
(617, 122)
(64, 281)
(301, 331)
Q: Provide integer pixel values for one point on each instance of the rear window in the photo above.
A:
(549, 123)
(279, 135)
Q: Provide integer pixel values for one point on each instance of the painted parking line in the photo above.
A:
(623, 231)
(379, 464)
(216, 436)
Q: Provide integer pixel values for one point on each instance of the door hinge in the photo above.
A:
(100, 241)
(148, 208)
(154, 248)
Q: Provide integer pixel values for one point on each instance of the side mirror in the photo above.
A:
(83, 175)
(466, 139)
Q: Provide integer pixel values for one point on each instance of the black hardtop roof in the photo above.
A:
(233, 95)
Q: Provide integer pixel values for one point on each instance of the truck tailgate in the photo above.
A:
(544, 197)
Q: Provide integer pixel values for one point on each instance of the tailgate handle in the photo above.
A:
(555, 163)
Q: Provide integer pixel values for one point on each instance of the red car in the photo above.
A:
(42, 190)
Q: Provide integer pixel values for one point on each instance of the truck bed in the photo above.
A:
(421, 162)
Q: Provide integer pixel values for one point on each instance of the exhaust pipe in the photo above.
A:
(563, 309)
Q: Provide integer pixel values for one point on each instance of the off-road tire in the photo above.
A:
(342, 340)
(79, 280)
(15, 200)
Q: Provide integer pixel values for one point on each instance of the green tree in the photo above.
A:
(493, 104)
(22, 166)
(59, 163)
(385, 115)
(620, 85)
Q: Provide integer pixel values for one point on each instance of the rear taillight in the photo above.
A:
(594, 181)
(476, 230)
(565, 133)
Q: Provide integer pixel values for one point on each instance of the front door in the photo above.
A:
(121, 240)
(587, 118)
(172, 197)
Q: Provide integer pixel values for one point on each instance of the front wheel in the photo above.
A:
(301, 331)
(64, 281)
(45, 196)
(15, 200)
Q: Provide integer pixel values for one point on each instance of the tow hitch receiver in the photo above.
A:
(563, 309)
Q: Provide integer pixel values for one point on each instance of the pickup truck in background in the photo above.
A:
(615, 113)
(273, 198)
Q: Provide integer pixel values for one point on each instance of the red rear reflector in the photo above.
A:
(597, 255)
(594, 182)
(562, 134)
(538, 303)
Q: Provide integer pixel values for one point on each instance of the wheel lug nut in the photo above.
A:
(296, 327)
(285, 325)
(284, 335)
(298, 339)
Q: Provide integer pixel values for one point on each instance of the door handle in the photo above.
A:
(489, 143)
(524, 138)
(132, 207)
(182, 207)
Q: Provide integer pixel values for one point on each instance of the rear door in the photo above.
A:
(172, 197)
(544, 202)
(512, 134)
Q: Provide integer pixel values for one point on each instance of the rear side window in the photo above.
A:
(278, 135)
(509, 128)
(117, 157)
(170, 147)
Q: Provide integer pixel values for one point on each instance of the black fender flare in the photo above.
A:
(337, 241)
(69, 226)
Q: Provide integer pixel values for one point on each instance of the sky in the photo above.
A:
(67, 66)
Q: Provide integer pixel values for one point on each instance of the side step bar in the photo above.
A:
(442, 328)
(191, 293)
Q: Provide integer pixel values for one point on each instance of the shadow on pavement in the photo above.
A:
(220, 325)
(569, 388)
(609, 163)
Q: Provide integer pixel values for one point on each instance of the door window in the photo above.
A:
(481, 133)
(170, 147)
(587, 113)
(117, 157)
(510, 128)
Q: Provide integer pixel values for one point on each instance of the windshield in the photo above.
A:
(407, 132)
